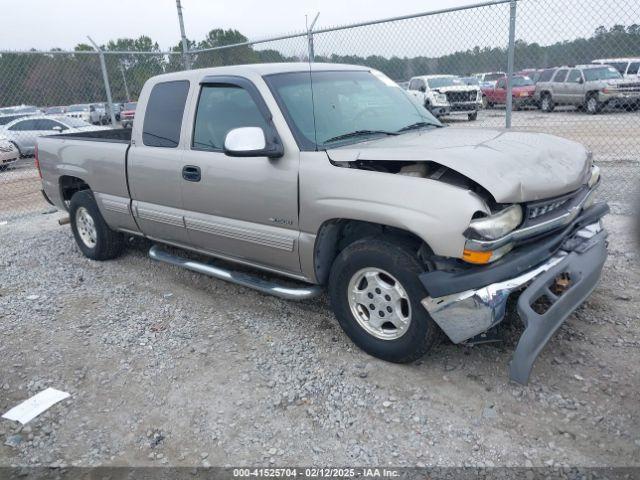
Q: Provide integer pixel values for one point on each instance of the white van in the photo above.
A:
(628, 67)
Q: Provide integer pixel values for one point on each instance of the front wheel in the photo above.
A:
(93, 236)
(472, 116)
(375, 294)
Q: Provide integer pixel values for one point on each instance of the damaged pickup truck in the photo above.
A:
(332, 177)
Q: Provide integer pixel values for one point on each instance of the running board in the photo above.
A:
(249, 281)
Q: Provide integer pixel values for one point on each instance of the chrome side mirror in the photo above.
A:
(250, 142)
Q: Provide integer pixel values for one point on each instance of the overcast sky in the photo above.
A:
(43, 24)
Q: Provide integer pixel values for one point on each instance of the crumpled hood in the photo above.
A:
(513, 166)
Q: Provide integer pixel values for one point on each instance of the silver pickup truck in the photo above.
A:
(333, 177)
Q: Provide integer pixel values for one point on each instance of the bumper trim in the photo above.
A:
(584, 268)
(467, 314)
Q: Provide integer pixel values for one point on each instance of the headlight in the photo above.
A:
(439, 97)
(498, 225)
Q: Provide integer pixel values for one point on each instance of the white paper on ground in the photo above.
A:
(34, 406)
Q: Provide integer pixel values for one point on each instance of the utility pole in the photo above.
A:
(185, 44)
(312, 52)
(105, 77)
(124, 80)
(510, 60)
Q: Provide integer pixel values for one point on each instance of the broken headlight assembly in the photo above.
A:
(492, 227)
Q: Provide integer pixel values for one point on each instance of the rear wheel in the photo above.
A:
(375, 293)
(546, 103)
(92, 234)
(593, 106)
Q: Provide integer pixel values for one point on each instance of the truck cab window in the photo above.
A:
(163, 115)
(221, 108)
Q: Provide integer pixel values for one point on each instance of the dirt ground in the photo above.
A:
(167, 367)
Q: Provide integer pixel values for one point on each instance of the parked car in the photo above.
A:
(628, 67)
(591, 87)
(128, 113)
(8, 153)
(470, 81)
(335, 177)
(20, 110)
(24, 132)
(84, 111)
(522, 91)
(54, 110)
(532, 73)
(4, 119)
(489, 79)
(445, 95)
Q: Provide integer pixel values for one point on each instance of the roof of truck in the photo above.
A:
(260, 69)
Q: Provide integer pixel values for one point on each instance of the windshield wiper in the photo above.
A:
(417, 125)
(358, 133)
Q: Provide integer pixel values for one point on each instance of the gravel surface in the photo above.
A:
(167, 367)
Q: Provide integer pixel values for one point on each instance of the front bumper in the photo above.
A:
(463, 315)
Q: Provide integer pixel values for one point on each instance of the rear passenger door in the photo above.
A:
(558, 88)
(574, 87)
(240, 207)
(155, 164)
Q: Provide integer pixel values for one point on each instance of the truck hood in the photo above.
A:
(513, 166)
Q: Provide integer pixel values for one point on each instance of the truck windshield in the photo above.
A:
(345, 107)
(521, 81)
(604, 73)
(78, 108)
(439, 82)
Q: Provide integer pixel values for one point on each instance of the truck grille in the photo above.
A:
(469, 96)
(557, 205)
(629, 87)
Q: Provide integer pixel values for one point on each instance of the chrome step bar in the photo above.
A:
(249, 281)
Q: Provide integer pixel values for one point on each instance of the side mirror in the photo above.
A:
(581, 80)
(423, 88)
(250, 142)
(57, 128)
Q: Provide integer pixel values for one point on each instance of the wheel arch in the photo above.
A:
(336, 234)
(69, 185)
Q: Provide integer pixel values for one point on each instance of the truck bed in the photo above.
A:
(116, 135)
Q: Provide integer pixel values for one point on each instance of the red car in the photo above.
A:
(128, 113)
(522, 90)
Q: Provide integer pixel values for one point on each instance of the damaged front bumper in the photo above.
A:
(463, 315)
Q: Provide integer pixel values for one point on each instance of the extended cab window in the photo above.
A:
(163, 115)
(221, 108)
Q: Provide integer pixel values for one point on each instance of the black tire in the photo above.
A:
(108, 244)
(592, 105)
(401, 262)
(546, 103)
(20, 154)
(472, 116)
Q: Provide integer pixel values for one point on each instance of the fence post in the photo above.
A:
(105, 77)
(312, 53)
(510, 58)
(185, 44)
(124, 80)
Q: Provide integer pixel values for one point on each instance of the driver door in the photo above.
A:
(240, 207)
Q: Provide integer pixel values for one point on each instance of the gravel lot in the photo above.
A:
(166, 367)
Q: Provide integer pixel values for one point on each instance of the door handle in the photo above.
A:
(191, 173)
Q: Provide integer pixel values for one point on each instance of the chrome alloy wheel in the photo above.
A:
(86, 227)
(379, 303)
(592, 104)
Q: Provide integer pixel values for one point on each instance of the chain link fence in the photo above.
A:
(551, 84)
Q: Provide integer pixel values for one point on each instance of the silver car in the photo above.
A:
(24, 132)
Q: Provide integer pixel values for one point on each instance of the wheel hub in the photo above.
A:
(86, 227)
(379, 303)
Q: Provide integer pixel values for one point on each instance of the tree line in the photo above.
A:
(62, 79)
